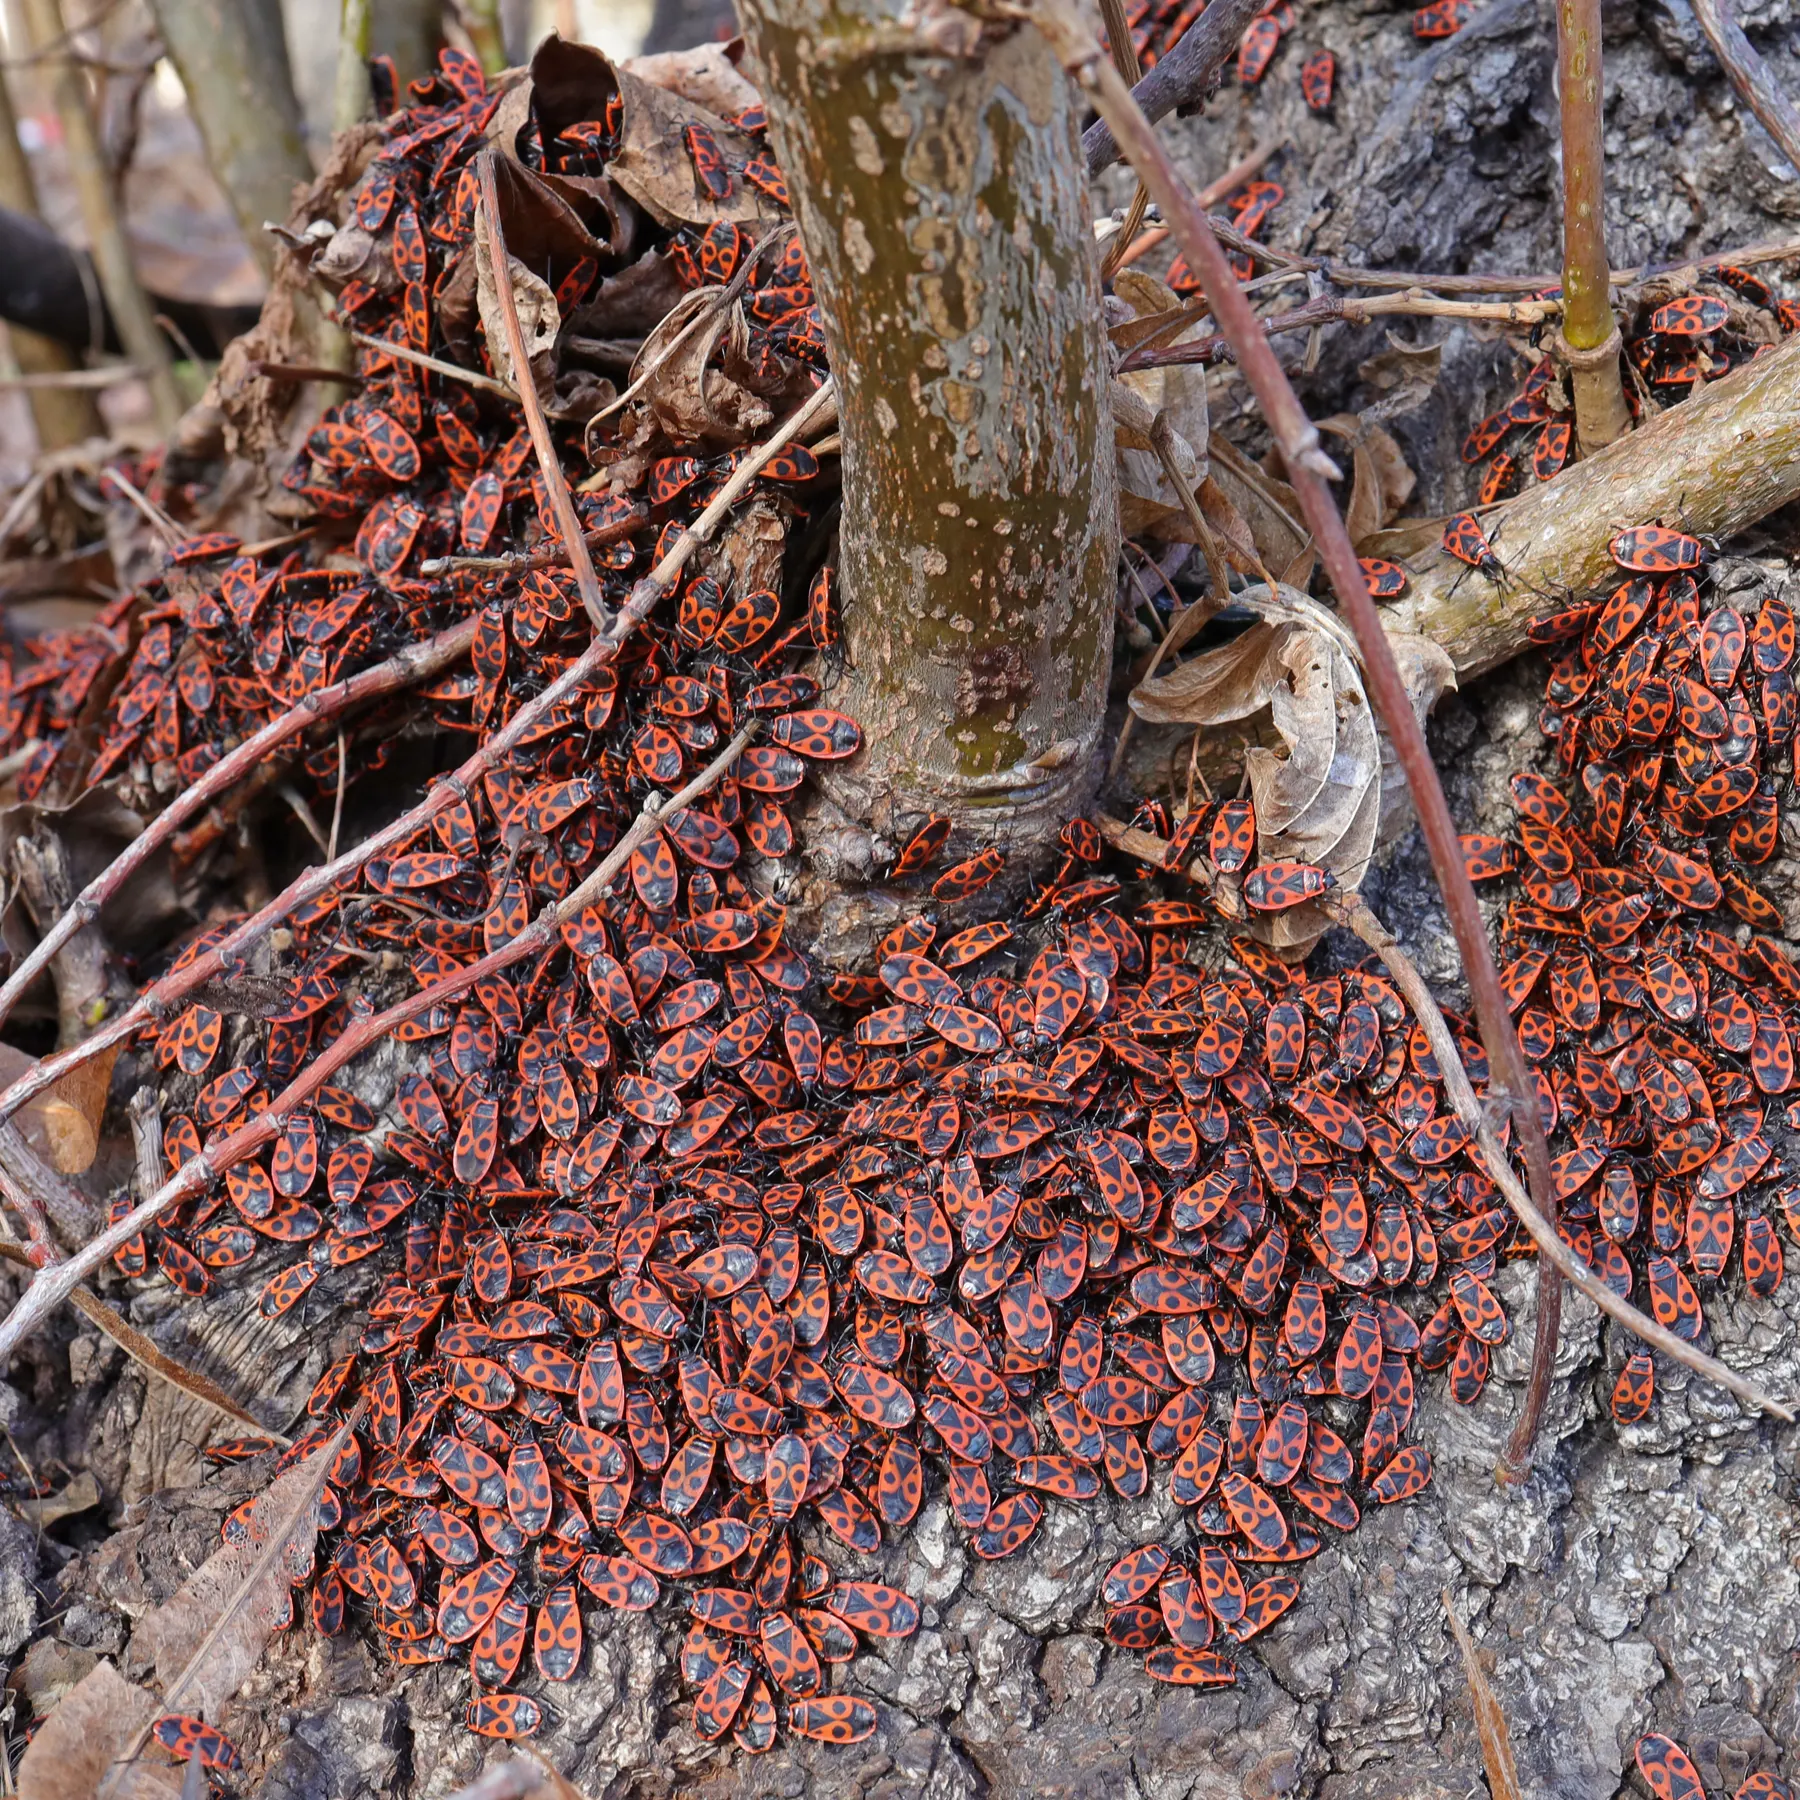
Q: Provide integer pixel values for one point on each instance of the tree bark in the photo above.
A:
(63, 415)
(411, 32)
(942, 199)
(241, 93)
(1713, 465)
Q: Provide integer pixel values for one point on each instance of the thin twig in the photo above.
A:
(1331, 309)
(1490, 1720)
(113, 375)
(551, 556)
(1210, 195)
(562, 505)
(159, 521)
(337, 804)
(418, 662)
(157, 1001)
(1751, 76)
(1182, 78)
(52, 1285)
(474, 378)
(1309, 471)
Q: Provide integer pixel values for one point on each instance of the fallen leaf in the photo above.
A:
(1403, 375)
(691, 402)
(707, 75)
(205, 1640)
(1149, 504)
(77, 1496)
(1270, 507)
(74, 1749)
(1327, 783)
(1490, 1719)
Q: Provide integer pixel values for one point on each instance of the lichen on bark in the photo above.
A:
(937, 178)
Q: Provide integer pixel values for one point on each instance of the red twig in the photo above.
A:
(1308, 469)
(418, 662)
(51, 1286)
(568, 523)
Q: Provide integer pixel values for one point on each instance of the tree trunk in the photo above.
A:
(63, 415)
(241, 94)
(942, 200)
(411, 32)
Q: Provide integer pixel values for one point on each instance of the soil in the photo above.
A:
(1640, 1579)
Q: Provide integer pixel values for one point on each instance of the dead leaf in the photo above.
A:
(689, 401)
(1149, 504)
(1217, 687)
(708, 75)
(1490, 1719)
(571, 82)
(1382, 480)
(1270, 507)
(205, 1640)
(1322, 786)
(77, 1496)
(74, 1749)
(1403, 375)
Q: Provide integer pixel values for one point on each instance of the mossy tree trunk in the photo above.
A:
(942, 199)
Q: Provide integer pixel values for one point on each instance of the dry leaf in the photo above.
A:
(1324, 789)
(207, 1638)
(707, 75)
(72, 1751)
(77, 1496)
(1382, 480)
(1490, 1720)
(1403, 375)
(1270, 507)
(1148, 502)
(689, 401)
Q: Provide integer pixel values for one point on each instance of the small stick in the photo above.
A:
(568, 521)
(156, 1001)
(474, 378)
(1309, 470)
(1184, 77)
(337, 804)
(418, 662)
(549, 557)
(51, 1286)
(1750, 76)
(1330, 309)
(1209, 196)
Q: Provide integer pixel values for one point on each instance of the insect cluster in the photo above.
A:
(697, 1273)
(1681, 343)
(1659, 1016)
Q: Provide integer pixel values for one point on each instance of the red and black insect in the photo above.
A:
(1467, 542)
(1318, 77)
(711, 172)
